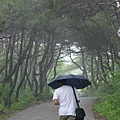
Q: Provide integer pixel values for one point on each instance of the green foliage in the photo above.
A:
(4, 88)
(24, 100)
(109, 107)
(46, 95)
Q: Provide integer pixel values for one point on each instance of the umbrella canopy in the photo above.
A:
(78, 81)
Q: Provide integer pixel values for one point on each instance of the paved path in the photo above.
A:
(87, 103)
(48, 111)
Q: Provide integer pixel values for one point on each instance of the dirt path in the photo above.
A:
(48, 111)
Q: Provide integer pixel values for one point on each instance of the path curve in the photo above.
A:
(48, 111)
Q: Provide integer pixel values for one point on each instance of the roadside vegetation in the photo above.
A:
(108, 104)
(37, 38)
(26, 99)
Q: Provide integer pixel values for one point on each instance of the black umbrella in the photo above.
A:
(78, 81)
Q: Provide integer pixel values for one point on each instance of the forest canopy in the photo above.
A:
(35, 36)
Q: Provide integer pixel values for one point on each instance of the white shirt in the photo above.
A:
(66, 98)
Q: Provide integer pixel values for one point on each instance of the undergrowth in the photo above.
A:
(26, 99)
(109, 105)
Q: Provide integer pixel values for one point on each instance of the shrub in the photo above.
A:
(109, 107)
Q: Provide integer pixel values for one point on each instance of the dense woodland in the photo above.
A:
(35, 36)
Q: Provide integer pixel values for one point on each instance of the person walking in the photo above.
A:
(64, 97)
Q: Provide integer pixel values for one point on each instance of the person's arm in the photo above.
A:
(55, 98)
(56, 102)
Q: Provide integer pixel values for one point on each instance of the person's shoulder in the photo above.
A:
(67, 87)
(59, 88)
(63, 87)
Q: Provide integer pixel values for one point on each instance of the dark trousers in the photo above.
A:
(67, 117)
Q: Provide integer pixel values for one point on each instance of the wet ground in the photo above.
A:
(48, 111)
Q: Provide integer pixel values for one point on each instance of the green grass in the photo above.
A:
(109, 106)
(26, 99)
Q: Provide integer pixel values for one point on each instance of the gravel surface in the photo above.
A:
(48, 111)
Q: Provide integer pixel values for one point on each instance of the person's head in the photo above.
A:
(61, 82)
